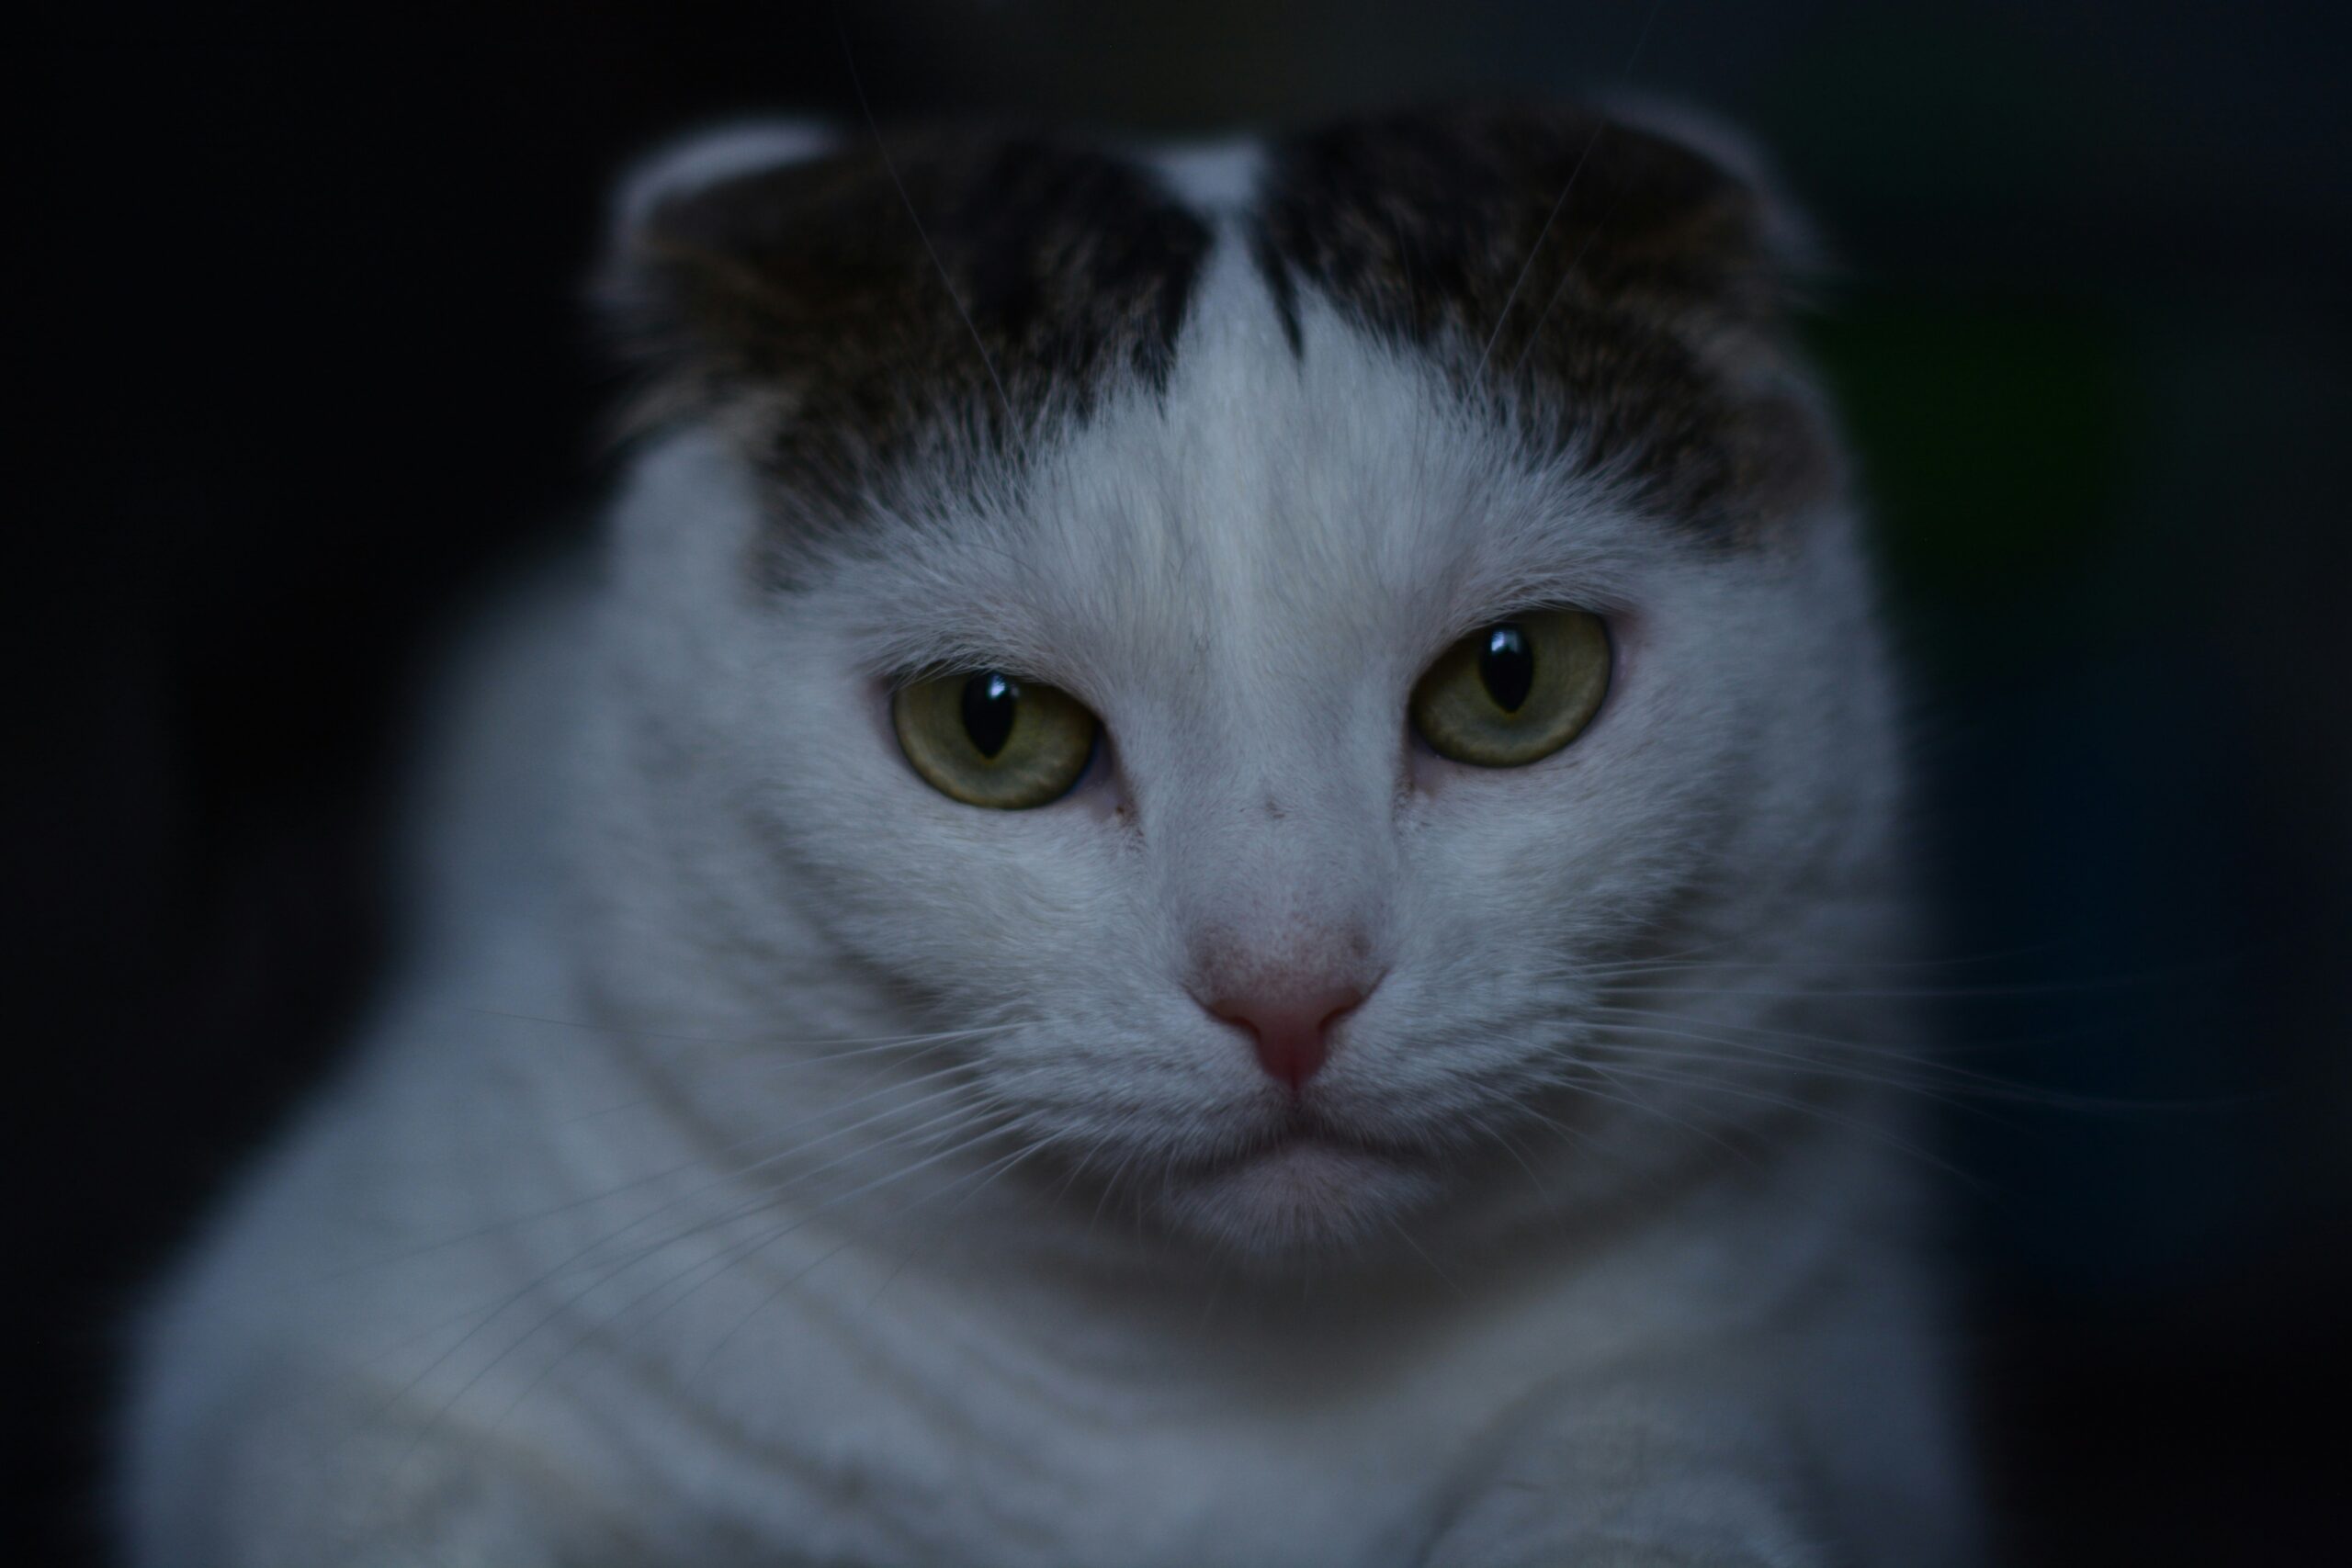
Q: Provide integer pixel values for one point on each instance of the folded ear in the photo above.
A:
(1477, 231)
(849, 310)
(1782, 230)
(683, 284)
(706, 158)
(1618, 281)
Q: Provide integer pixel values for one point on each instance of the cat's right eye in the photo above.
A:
(987, 739)
(1515, 692)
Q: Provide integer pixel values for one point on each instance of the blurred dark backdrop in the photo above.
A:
(294, 323)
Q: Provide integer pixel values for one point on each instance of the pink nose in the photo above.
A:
(1291, 1027)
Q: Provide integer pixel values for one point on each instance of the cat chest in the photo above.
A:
(1049, 1467)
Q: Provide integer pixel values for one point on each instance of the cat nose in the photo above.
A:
(1290, 1025)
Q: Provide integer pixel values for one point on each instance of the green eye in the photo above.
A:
(1515, 692)
(988, 739)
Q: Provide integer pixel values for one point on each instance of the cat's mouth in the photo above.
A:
(1304, 1184)
(1306, 1131)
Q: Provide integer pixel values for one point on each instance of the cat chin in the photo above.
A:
(1298, 1198)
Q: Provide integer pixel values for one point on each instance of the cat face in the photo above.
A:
(1272, 717)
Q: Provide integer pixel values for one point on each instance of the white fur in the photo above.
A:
(690, 1276)
(1212, 177)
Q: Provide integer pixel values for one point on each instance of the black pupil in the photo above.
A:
(989, 703)
(1506, 666)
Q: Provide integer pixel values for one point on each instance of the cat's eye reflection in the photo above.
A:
(987, 739)
(1516, 691)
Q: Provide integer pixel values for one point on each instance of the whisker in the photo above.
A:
(744, 1251)
(1511, 1146)
(1746, 1054)
(1903, 993)
(725, 1260)
(576, 1299)
(700, 1161)
(1951, 1083)
(1560, 202)
(771, 1069)
(585, 1258)
(882, 148)
(858, 1044)
(1002, 1169)
(1701, 1082)
(1551, 301)
(1404, 1236)
(1634, 1103)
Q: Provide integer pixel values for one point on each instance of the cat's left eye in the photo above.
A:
(990, 740)
(1515, 692)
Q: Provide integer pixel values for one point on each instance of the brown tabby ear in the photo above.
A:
(1464, 224)
(1787, 239)
(1620, 293)
(680, 283)
(851, 313)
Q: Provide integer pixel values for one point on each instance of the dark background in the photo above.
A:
(294, 323)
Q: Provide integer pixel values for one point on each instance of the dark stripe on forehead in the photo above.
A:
(849, 341)
(1610, 293)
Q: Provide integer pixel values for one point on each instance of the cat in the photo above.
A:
(1195, 880)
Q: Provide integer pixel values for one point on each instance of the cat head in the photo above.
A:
(1259, 643)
